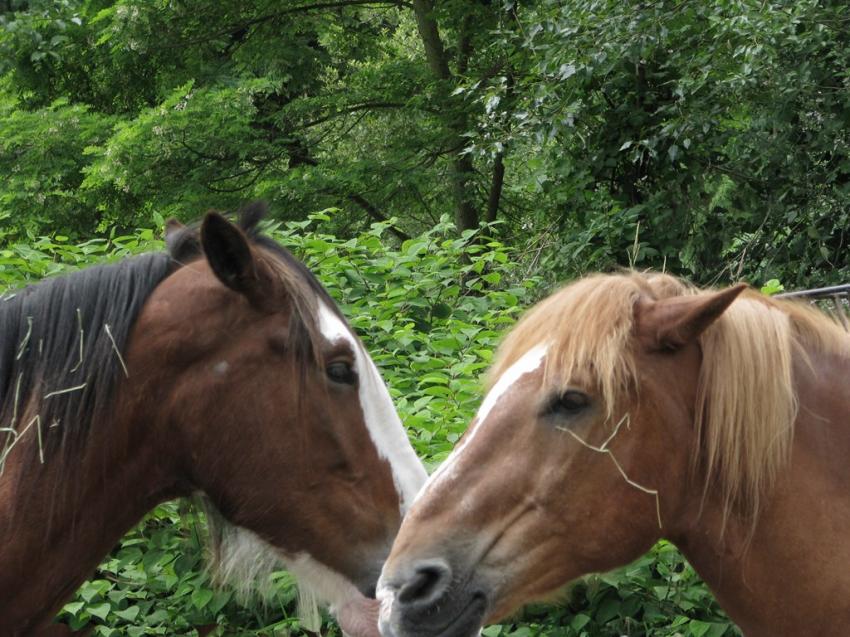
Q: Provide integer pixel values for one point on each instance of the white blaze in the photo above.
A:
(382, 421)
(529, 362)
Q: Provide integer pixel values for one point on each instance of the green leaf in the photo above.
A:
(99, 610)
(773, 286)
(128, 614)
(201, 597)
(697, 628)
(579, 621)
(73, 608)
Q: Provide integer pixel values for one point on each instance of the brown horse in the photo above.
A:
(627, 408)
(221, 367)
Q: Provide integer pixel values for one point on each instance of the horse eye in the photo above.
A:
(341, 372)
(570, 403)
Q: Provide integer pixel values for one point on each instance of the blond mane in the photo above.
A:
(746, 401)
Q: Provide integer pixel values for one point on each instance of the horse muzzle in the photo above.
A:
(426, 598)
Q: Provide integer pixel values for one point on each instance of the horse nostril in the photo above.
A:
(430, 581)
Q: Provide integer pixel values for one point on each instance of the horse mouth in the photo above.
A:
(468, 621)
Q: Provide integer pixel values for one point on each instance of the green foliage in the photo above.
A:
(42, 160)
(206, 104)
(658, 595)
(714, 131)
(155, 583)
(772, 287)
(431, 312)
(25, 263)
(146, 164)
(719, 127)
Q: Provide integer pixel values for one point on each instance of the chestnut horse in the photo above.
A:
(627, 408)
(221, 367)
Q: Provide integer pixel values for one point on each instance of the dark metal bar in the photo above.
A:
(817, 293)
(834, 300)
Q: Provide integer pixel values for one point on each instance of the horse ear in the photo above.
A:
(671, 323)
(183, 243)
(229, 254)
(173, 225)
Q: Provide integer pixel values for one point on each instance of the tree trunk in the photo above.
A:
(496, 182)
(462, 170)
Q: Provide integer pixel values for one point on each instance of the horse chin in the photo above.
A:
(538, 592)
(467, 623)
(470, 620)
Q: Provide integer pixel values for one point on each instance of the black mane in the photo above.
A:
(60, 345)
(62, 340)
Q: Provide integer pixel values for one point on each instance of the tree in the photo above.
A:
(706, 138)
(306, 104)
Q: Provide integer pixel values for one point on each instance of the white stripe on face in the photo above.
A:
(529, 362)
(382, 421)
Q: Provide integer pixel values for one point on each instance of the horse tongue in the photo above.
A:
(359, 617)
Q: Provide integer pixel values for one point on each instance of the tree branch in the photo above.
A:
(435, 54)
(240, 31)
(376, 215)
(464, 45)
(318, 6)
(302, 153)
(353, 109)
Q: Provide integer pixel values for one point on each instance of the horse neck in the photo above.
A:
(791, 577)
(61, 518)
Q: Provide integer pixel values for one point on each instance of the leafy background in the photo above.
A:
(712, 135)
